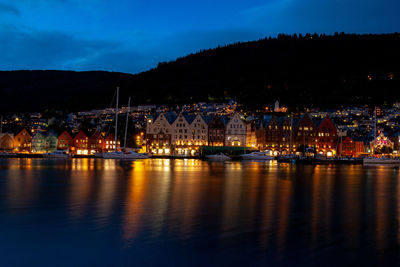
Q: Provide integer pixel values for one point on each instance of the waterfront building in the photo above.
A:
(327, 139)
(96, 143)
(38, 143)
(199, 130)
(304, 133)
(381, 145)
(181, 133)
(51, 141)
(6, 141)
(64, 141)
(159, 133)
(190, 132)
(216, 132)
(251, 134)
(23, 141)
(109, 143)
(80, 144)
(260, 133)
(235, 133)
(350, 148)
(273, 133)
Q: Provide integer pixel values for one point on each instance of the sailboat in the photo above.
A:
(126, 153)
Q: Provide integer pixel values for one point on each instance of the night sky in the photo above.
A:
(134, 35)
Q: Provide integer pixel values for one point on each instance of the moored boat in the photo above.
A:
(218, 157)
(383, 160)
(60, 154)
(127, 154)
(256, 156)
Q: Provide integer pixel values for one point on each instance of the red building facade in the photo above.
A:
(80, 144)
(64, 141)
(327, 141)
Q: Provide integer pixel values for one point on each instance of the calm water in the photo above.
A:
(87, 212)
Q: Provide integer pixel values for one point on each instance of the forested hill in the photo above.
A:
(310, 70)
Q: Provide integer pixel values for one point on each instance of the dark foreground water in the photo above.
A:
(86, 212)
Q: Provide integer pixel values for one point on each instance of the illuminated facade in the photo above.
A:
(38, 143)
(50, 142)
(235, 133)
(350, 148)
(216, 132)
(6, 141)
(23, 141)
(80, 144)
(158, 133)
(64, 141)
(96, 143)
(381, 145)
(109, 143)
(327, 139)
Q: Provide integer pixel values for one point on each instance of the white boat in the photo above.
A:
(127, 154)
(98, 154)
(218, 157)
(382, 160)
(257, 156)
(59, 154)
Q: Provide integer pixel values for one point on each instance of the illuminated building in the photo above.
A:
(80, 144)
(216, 132)
(23, 141)
(38, 143)
(350, 148)
(6, 141)
(96, 143)
(235, 133)
(381, 145)
(51, 141)
(327, 140)
(158, 133)
(64, 141)
(109, 143)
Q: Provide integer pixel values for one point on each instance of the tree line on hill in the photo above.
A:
(310, 70)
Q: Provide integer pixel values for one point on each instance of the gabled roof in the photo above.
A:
(170, 117)
(280, 120)
(65, 132)
(189, 117)
(207, 119)
(317, 121)
(266, 120)
(225, 119)
(96, 135)
(22, 131)
(295, 123)
(80, 133)
(154, 116)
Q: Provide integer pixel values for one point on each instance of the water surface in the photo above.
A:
(160, 212)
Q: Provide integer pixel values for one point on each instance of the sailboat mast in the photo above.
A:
(116, 120)
(375, 123)
(291, 127)
(126, 123)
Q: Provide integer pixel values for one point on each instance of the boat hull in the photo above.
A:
(252, 157)
(218, 158)
(124, 156)
(381, 161)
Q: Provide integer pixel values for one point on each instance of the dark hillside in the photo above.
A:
(311, 70)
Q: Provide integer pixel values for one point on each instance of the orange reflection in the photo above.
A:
(135, 199)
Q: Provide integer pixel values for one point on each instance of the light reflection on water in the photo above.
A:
(193, 212)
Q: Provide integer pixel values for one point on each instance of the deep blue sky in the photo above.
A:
(134, 35)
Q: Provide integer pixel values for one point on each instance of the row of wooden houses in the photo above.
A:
(184, 134)
(79, 144)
